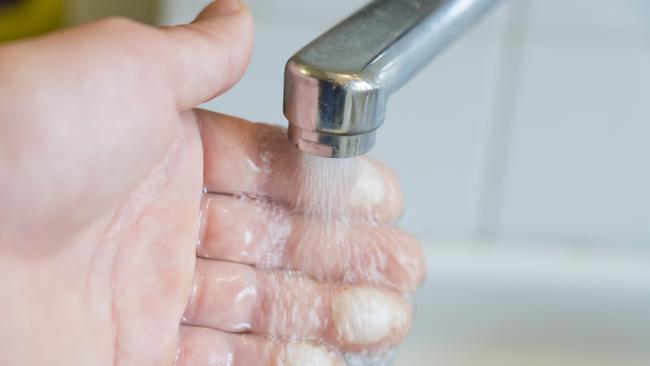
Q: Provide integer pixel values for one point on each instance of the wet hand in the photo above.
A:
(104, 161)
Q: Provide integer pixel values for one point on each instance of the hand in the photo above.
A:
(102, 164)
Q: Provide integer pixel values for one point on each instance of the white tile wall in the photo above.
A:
(434, 133)
(615, 16)
(535, 124)
(578, 165)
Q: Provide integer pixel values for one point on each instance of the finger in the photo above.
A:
(267, 235)
(240, 156)
(235, 297)
(210, 347)
(211, 54)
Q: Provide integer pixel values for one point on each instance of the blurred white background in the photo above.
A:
(524, 153)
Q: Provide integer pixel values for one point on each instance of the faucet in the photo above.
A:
(336, 88)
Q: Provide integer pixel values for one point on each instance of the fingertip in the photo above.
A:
(377, 189)
(410, 263)
(215, 15)
(301, 354)
(221, 7)
(211, 54)
(368, 318)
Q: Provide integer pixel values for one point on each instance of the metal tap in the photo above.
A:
(336, 88)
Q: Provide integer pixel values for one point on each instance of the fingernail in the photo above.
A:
(366, 315)
(369, 189)
(304, 354)
(226, 7)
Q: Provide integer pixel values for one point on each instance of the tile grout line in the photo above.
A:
(500, 125)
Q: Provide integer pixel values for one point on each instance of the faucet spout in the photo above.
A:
(336, 88)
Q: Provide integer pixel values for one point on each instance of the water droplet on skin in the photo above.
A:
(330, 194)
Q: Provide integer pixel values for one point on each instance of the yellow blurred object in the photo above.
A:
(22, 18)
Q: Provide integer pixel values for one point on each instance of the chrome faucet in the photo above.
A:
(336, 88)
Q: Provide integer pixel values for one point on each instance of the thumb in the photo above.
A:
(208, 56)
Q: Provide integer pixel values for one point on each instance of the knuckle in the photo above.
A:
(115, 23)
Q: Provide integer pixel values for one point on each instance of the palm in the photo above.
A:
(148, 253)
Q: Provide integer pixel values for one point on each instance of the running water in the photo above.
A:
(321, 191)
(326, 193)
(323, 219)
(325, 186)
